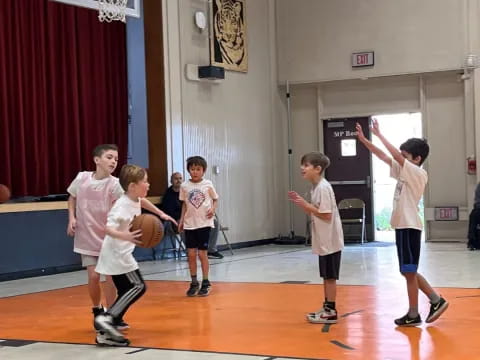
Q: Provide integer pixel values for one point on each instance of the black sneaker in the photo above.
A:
(408, 321)
(205, 289)
(193, 290)
(436, 310)
(97, 311)
(215, 255)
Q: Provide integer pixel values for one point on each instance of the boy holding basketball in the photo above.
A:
(116, 256)
(198, 210)
(92, 195)
(405, 168)
(327, 233)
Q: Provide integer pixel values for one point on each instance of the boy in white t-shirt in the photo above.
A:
(116, 257)
(405, 168)
(327, 233)
(198, 210)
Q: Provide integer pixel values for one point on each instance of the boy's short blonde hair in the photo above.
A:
(131, 174)
(316, 159)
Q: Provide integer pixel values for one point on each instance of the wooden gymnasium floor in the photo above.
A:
(259, 319)
(255, 319)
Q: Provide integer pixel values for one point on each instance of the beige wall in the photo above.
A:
(305, 139)
(444, 123)
(237, 124)
(317, 37)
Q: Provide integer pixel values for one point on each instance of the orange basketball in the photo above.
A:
(4, 193)
(152, 230)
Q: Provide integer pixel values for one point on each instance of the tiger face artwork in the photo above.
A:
(229, 43)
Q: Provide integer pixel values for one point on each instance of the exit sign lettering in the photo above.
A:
(363, 59)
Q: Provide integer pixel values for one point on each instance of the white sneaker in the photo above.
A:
(326, 316)
(103, 339)
(314, 313)
(104, 323)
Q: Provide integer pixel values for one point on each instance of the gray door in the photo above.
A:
(350, 168)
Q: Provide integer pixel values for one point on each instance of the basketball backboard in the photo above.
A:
(133, 6)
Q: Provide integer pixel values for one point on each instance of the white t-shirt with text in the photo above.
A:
(198, 198)
(411, 181)
(327, 236)
(116, 256)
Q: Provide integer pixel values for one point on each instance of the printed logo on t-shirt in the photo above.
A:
(398, 189)
(196, 197)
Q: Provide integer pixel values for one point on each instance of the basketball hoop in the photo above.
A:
(111, 10)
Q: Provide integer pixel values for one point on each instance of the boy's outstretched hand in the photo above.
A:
(297, 199)
(360, 134)
(375, 127)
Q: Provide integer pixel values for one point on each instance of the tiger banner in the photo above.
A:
(228, 45)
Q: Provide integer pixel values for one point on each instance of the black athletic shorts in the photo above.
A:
(329, 265)
(408, 249)
(197, 238)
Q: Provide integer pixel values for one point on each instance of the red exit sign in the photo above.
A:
(448, 213)
(363, 59)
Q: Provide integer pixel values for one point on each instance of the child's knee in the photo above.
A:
(409, 275)
(93, 276)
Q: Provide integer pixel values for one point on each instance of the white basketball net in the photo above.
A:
(112, 10)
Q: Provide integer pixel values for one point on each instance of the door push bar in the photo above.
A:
(352, 182)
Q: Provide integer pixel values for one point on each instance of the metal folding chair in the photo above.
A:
(222, 230)
(353, 204)
(176, 243)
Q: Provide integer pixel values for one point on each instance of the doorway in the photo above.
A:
(397, 128)
(349, 172)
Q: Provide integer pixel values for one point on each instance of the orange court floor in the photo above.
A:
(265, 319)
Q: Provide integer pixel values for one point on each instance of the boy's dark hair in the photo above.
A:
(196, 160)
(316, 159)
(416, 147)
(131, 174)
(100, 149)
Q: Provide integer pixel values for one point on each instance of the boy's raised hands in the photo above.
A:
(375, 127)
(360, 134)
